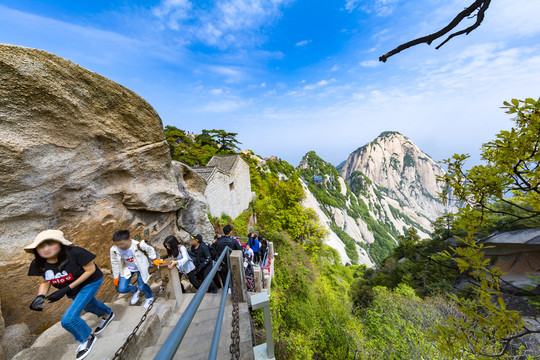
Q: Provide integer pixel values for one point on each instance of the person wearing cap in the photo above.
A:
(129, 258)
(202, 258)
(72, 271)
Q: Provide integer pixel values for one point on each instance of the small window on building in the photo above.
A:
(231, 186)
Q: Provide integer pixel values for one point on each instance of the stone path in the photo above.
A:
(56, 343)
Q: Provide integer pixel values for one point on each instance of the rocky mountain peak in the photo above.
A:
(399, 170)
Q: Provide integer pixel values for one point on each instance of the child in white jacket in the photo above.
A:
(128, 258)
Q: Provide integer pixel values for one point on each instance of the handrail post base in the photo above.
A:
(262, 301)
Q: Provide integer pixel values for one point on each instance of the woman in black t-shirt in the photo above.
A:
(71, 270)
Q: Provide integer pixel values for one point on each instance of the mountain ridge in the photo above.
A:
(383, 188)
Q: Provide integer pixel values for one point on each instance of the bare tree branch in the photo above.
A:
(479, 5)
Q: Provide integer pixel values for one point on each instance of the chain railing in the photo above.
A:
(173, 341)
(118, 354)
(234, 348)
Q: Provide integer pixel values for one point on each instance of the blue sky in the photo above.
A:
(297, 75)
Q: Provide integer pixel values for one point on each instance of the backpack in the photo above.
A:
(213, 252)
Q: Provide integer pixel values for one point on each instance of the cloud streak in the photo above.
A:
(303, 43)
(226, 24)
(381, 8)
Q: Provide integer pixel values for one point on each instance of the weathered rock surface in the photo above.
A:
(14, 339)
(2, 322)
(332, 239)
(83, 154)
(400, 176)
(192, 187)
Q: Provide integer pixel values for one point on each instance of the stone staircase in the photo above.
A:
(56, 343)
(197, 341)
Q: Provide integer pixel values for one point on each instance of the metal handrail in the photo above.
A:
(219, 321)
(171, 344)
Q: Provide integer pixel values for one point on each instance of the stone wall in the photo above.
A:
(229, 194)
(219, 195)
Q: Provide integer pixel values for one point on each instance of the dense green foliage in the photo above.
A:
(195, 150)
(409, 307)
(312, 315)
(502, 192)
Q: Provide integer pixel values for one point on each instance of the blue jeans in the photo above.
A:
(125, 287)
(84, 300)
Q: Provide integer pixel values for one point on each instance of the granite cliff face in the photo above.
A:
(402, 173)
(80, 153)
(382, 189)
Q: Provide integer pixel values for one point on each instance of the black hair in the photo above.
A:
(121, 235)
(227, 229)
(63, 257)
(255, 236)
(216, 237)
(173, 243)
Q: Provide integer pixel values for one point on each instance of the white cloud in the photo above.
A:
(88, 46)
(316, 85)
(173, 12)
(232, 73)
(334, 68)
(370, 63)
(303, 43)
(216, 91)
(222, 106)
(228, 23)
(378, 7)
(516, 17)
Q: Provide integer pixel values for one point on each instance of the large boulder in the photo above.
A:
(79, 153)
(193, 186)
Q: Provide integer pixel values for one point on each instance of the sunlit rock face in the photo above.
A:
(80, 153)
(401, 175)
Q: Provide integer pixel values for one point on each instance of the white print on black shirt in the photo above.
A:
(58, 278)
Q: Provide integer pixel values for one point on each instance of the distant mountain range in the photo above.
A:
(383, 188)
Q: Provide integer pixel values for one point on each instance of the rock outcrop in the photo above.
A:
(383, 188)
(14, 339)
(192, 187)
(402, 176)
(332, 239)
(83, 154)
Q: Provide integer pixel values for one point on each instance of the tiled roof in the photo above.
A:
(205, 172)
(224, 163)
(524, 237)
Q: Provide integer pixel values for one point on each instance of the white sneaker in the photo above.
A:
(84, 349)
(147, 302)
(135, 297)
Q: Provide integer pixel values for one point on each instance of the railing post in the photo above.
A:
(236, 267)
(262, 301)
(173, 288)
(271, 250)
(257, 278)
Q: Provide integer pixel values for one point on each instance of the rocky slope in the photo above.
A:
(402, 173)
(83, 154)
(383, 188)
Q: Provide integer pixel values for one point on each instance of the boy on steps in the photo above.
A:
(128, 258)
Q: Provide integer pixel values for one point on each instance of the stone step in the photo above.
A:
(198, 339)
(56, 343)
(153, 332)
